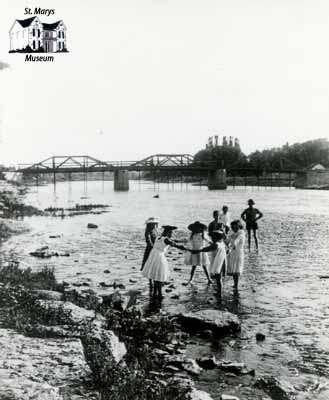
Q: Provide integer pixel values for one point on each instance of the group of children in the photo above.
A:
(218, 248)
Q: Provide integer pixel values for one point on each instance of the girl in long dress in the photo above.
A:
(151, 233)
(218, 261)
(235, 261)
(197, 242)
(156, 266)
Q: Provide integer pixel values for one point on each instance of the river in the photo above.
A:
(281, 292)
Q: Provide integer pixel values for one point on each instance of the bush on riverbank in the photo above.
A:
(12, 207)
(13, 275)
(139, 375)
(143, 375)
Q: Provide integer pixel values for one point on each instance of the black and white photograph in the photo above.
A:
(164, 200)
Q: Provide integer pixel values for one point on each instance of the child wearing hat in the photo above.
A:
(197, 242)
(218, 258)
(151, 233)
(156, 267)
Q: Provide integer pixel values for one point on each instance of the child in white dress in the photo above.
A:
(218, 256)
(235, 262)
(156, 266)
(197, 242)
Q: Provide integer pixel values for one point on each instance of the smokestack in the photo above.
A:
(224, 141)
(231, 141)
(216, 140)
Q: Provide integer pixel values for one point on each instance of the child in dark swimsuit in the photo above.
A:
(250, 216)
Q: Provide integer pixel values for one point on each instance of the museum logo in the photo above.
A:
(35, 37)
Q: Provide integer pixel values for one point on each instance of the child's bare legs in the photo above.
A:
(255, 238)
(219, 283)
(249, 238)
(236, 281)
(158, 289)
(192, 274)
(207, 273)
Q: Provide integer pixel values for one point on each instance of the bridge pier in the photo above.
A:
(217, 179)
(121, 180)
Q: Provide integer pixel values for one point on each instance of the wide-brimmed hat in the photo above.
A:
(168, 228)
(238, 223)
(152, 220)
(197, 226)
(216, 235)
(251, 201)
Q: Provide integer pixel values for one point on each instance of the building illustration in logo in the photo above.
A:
(31, 35)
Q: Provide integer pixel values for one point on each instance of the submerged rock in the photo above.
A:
(219, 322)
(208, 362)
(260, 337)
(92, 226)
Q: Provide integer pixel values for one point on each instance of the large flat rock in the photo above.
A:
(33, 368)
(219, 322)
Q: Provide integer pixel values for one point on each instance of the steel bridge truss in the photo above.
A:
(69, 164)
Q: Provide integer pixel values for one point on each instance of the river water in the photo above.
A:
(281, 292)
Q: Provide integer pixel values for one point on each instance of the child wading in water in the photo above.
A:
(151, 233)
(218, 257)
(156, 267)
(250, 216)
(235, 260)
(197, 242)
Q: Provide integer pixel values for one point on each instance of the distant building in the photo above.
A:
(317, 167)
(32, 33)
(213, 141)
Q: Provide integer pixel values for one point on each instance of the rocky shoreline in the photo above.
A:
(62, 342)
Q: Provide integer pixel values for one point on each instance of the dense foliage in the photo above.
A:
(296, 156)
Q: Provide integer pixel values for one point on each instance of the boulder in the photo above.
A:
(48, 295)
(103, 352)
(86, 298)
(260, 337)
(219, 322)
(18, 388)
(208, 362)
(184, 363)
(277, 390)
(199, 395)
(187, 385)
(73, 314)
(116, 300)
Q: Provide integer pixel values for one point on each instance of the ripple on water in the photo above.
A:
(281, 294)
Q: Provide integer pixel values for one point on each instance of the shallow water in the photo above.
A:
(281, 293)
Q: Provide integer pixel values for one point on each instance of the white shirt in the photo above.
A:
(225, 219)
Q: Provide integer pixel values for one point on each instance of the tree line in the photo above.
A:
(295, 156)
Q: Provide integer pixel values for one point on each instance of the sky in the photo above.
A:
(161, 76)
